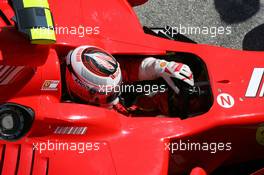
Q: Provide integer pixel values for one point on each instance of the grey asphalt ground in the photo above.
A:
(241, 15)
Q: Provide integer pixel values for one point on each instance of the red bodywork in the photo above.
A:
(128, 145)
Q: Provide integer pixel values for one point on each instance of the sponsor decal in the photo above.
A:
(70, 130)
(260, 135)
(8, 73)
(256, 85)
(225, 100)
(50, 85)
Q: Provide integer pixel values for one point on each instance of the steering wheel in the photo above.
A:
(179, 104)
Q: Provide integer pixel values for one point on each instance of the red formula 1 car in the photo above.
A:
(43, 133)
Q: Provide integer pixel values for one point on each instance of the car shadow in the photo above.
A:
(254, 39)
(236, 11)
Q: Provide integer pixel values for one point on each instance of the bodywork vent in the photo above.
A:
(16, 159)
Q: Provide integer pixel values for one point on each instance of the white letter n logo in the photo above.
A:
(255, 83)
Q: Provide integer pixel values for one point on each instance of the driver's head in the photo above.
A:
(92, 75)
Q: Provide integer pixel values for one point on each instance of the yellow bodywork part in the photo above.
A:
(36, 3)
